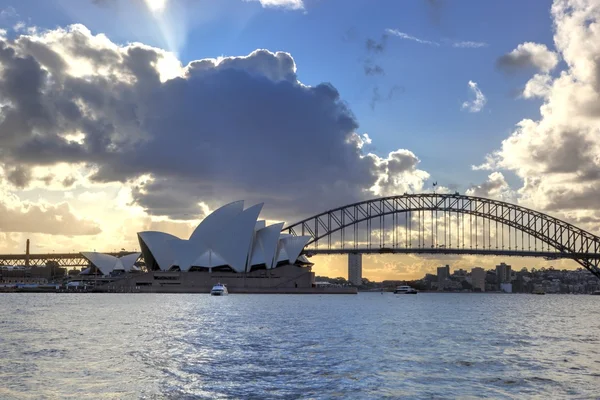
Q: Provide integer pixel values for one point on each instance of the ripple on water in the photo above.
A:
(283, 346)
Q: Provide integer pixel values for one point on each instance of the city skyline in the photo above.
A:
(152, 123)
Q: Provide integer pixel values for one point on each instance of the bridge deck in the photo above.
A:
(483, 252)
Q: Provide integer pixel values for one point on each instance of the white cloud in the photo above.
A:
(469, 44)
(529, 54)
(397, 173)
(286, 4)
(19, 26)
(478, 102)
(359, 140)
(402, 35)
(8, 12)
(557, 155)
(538, 86)
(494, 187)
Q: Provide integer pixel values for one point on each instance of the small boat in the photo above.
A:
(405, 290)
(219, 290)
(538, 291)
(596, 293)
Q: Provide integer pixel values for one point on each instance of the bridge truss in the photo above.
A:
(446, 224)
(64, 260)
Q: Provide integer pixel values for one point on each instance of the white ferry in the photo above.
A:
(219, 290)
(405, 290)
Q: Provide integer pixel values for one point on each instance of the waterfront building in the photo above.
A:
(460, 273)
(355, 269)
(231, 247)
(443, 273)
(503, 274)
(478, 279)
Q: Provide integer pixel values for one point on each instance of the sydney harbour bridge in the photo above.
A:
(422, 224)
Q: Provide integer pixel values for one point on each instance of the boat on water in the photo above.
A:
(538, 291)
(405, 290)
(596, 293)
(219, 290)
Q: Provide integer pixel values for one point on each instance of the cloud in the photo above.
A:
(376, 46)
(18, 175)
(398, 173)
(478, 102)
(44, 218)
(19, 26)
(469, 44)
(528, 55)
(284, 4)
(402, 35)
(377, 97)
(538, 86)
(8, 13)
(180, 138)
(556, 157)
(494, 187)
(373, 70)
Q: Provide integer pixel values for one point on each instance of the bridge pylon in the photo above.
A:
(355, 268)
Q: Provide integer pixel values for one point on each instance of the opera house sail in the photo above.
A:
(230, 239)
(108, 264)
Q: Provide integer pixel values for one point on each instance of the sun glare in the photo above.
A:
(156, 6)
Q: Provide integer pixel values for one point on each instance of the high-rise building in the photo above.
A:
(478, 279)
(355, 268)
(502, 274)
(443, 273)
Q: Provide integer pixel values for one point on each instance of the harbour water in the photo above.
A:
(370, 345)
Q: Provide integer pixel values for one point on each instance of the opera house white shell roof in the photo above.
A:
(229, 237)
(107, 263)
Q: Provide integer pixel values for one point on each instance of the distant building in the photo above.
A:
(502, 274)
(460, 273)
(478, 279)
(355, 269)
(443, 273)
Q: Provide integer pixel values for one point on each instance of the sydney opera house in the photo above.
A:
(229, 239)
(230, 246)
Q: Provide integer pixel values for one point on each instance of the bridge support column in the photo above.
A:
(355, 268)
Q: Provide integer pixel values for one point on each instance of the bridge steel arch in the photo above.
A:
(510, 229)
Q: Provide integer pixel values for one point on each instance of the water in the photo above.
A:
(371, 345)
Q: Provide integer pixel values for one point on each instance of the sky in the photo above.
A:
(118, 116)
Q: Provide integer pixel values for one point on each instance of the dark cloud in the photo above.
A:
(68, 181)
(376, 47)
(528, 55)
(47, 179)
(241, 128)
(373, 69)
(19, 176)
(377, 97)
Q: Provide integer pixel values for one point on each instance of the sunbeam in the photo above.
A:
(156, 6)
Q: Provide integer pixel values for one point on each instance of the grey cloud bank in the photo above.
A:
(240, 127)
